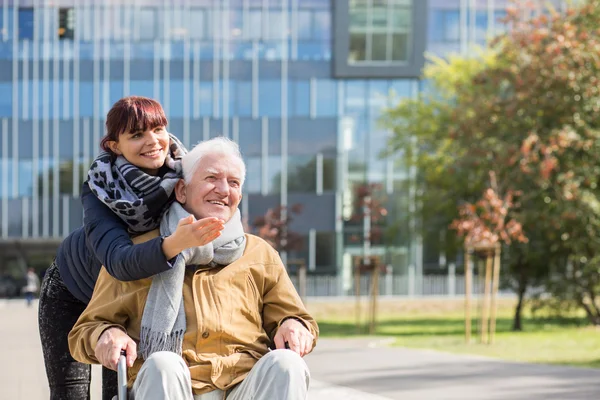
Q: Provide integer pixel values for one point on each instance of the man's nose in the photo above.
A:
(222, 187)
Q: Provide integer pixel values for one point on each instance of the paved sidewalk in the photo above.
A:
(369, 365)
(353, 369)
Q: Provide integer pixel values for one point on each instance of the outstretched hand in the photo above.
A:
(192, 233)
(295, 334)
(109, 346)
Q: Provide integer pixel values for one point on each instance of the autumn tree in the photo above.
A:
(274, 227)
(525, 107)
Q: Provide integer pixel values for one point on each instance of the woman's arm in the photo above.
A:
(107, 235)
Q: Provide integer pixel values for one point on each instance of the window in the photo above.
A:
(379, 32)
(26, 23)
(66, 23)
(383, 38)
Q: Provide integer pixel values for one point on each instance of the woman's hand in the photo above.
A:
(191, 233)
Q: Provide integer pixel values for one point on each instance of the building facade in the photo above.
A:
(299, 84)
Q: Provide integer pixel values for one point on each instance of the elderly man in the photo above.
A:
(204, 329)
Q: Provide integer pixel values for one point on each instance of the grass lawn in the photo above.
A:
(439, 325)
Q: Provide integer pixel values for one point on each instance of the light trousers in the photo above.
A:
(279, 375)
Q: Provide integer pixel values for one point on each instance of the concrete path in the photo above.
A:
(364, 369)
(369, 365)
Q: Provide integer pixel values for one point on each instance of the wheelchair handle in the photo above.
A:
(122, 376)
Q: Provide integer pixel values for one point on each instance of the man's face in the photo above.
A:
(215, 189)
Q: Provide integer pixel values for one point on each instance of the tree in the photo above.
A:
(526, 107)
(274, 227)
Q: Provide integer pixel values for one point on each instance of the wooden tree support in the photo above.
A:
(372, 266)
(490, 294)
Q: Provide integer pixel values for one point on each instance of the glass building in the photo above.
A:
(299, 84)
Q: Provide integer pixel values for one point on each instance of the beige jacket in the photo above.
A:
(232, 315)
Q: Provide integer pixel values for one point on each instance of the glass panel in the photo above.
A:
(196, 23)
(401, 19)
(236, 23)
(274, 174)
(379, 17)
(147, 24)
(326, 98)
(274, 144)
(275, 25)
(141, 88)
(356, 93)
(451, 24)
(253, 174)
(299, 104)
(325, 249)
(26, 23)
(86, 94)
(205, 98)
(253, 26)
(329, 171)
(175, 108)
(116, 91)
(250, 137)
(6, 31)
(378, 96)
(302, 173)
(243, 99)
(25, 177)
(322, 25)
(269, 95)
(379, 47)
(358, 47)
(304, 24)
(5, 100)
(400, 47)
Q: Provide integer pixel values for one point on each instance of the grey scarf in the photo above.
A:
(163, 321)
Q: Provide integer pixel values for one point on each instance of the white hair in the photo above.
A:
(219, 145)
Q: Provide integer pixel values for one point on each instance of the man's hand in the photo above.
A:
(109, 346)
(296, 335)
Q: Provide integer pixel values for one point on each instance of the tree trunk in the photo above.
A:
(517, 325)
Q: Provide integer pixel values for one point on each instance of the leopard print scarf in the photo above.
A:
(137, 198)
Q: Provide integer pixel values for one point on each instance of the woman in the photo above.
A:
(129, 186)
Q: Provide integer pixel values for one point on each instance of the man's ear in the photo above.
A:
(180, 191)
(113, 145)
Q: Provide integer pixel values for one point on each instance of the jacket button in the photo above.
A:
(205, 334)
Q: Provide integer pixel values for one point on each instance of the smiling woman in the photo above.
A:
(136, 129)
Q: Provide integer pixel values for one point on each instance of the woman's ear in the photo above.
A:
(114, 146)
(180, 191)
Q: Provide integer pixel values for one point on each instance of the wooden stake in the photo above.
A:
(467, 296)
(495, 284)
(357, 293)
(374, 294)
(485, 307)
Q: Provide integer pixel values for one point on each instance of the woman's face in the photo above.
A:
(146, 150)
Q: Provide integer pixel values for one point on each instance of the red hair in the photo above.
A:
(131, 114)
